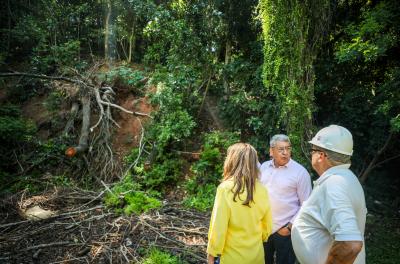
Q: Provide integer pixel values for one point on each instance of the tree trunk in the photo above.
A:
(228, 54)
(71, 120)
(132, 46)
(110, 46)
(9, 26)
(84, 138)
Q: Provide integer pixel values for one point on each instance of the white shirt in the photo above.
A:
(335, 211)
(288, 187)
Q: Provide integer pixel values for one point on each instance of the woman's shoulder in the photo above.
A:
(261, 188)
(226, 184)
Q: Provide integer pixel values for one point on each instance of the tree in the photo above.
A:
(358, 77)
(293, 32)
(110, 38)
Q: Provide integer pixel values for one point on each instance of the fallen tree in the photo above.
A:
(92, 97)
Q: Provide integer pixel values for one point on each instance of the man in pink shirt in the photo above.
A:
(289, 185)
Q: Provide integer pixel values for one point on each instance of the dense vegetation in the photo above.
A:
(266, 66)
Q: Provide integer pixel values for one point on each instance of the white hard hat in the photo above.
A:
(335, 138)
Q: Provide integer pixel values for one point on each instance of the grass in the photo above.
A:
(382, 233)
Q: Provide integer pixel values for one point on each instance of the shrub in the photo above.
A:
(127, 198)
(54, 100)
(202, 199)
(162, 174)
(14, 131)
(125, 76)
(208, 170)
(156, 256)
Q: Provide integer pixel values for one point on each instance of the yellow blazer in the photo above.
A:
(237, 231)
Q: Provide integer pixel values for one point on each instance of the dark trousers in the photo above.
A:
(282, 246)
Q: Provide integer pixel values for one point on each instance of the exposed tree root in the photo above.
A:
(95, 99)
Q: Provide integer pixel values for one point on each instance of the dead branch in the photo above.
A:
(141, 148)
(192, 230)
(120, 107)
(80, 211)
(372, 164)
(98, 100)
(42, 76)
(55, 244)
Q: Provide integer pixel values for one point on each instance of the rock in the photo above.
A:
(37, 213)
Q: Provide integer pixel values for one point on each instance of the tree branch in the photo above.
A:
(42, 76)
(372, 164)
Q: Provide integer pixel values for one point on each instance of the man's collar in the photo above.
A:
(329, 172)
(272, 164)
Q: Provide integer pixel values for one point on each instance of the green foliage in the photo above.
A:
(382, 245)
(207, 171)
(62, 180)
(23, 90)
(175, 126)
(373, 36)
(29, 183)
(52, 151)
(14, 129)
(248, 108)
(209, 168)
(36, 182)
(172, 122)
(293, 32)
(164, 172)
(15, 132)
(44, 29)
(127, 198)
(125, 76)
(173, 40)
(202, 198)
(156, 256)
(39, 160)
(133, 17)
(54, 100)
(177, 86)
(383, 226)
(161, 175)
(46, 58)
(358, 79)
(395, 123)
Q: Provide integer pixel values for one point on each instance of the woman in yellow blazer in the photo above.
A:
(241, 217)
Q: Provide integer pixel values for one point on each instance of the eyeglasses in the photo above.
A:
(283, 149)
(315, 150)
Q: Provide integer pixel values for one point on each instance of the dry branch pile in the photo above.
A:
(83, 231)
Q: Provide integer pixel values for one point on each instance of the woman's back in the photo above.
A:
(244, 228)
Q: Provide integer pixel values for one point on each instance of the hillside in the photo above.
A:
(116, 117)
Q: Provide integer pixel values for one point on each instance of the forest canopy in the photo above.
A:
(190, 78)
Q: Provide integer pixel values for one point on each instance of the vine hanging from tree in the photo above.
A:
(292, 32)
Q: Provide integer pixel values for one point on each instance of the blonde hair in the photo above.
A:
(241, 164)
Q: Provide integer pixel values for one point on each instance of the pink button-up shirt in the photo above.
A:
(288, 187)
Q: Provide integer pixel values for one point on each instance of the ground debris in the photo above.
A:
(84, 231)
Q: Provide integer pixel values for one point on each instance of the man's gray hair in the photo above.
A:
(278, 138)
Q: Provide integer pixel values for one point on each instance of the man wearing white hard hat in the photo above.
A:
(330, 225)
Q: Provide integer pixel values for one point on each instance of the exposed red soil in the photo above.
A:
(127, 136)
